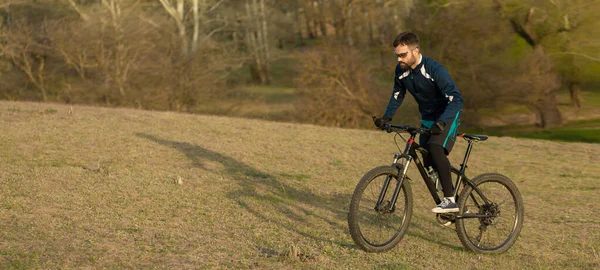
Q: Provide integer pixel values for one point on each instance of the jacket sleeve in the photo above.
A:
(397, 94)
(453, 96)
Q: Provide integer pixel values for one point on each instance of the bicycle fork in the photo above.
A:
(388, 180)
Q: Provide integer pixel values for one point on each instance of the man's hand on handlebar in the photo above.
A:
(382, 122)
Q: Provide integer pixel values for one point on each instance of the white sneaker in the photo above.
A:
(446, 206)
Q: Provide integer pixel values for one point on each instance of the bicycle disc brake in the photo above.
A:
(384, 209)
(493, 210)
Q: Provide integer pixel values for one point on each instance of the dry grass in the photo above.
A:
(85, 187)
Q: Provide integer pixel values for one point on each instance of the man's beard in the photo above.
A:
(404, 66)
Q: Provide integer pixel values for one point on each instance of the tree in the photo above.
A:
(334, 89)
(139, 52)
(486, 45)
(179, 11)
(26, 43)
(27, 53)
(257, 40)
(574, 41)
(524, 24)
(550, 28)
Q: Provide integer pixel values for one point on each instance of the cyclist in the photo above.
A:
(440, 104)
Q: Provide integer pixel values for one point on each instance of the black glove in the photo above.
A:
(380, 122)
(438, 128)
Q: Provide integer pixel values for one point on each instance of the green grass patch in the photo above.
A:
(300, 177)
(14, 110)
(567, 135)
(50, 111)
(559, 134)
(587, 123)
(576, 131)
(19, 260)
(337, 163)
(283, 71)
(272, 94)
(591, 98)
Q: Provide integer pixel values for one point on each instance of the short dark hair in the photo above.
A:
(406, 38)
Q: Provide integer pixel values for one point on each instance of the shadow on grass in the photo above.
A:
(267, 190)
(422, 232)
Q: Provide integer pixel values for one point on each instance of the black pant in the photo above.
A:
(437, 157)
(439, 147)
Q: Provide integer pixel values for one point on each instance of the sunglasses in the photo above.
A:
(404, 54)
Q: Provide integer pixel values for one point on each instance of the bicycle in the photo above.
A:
(491, 208)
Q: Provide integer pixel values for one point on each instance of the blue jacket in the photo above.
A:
(433, 89)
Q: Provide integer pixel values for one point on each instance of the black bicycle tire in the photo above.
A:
(353, 214)
(464, 196)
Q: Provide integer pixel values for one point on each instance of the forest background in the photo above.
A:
(525, 67)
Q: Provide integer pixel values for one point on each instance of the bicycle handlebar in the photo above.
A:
(410, 129)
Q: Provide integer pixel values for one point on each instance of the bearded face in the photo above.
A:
(407, 56)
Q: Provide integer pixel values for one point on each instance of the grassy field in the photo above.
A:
(86, 187)
(574, 131)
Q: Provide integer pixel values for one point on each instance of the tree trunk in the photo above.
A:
(119, 62)
(265, 43)
(177, 13)
(372, 40)
(349, 13)
(548, 111)
(308, 18)
(298, 25)
(575, 94)
(196, 30)
(322, 18)
(257, 42)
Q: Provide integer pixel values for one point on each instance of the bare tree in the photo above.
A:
(201, 31)
(24, 46)
(257, 41)
(337, 90)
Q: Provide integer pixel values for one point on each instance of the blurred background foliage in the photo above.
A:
(523, 66)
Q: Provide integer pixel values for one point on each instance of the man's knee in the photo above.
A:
(436, 150)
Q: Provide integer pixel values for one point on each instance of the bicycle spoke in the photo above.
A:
(493, 231)
(380, 225)
(479, 237)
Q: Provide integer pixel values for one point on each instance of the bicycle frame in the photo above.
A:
(410, 154)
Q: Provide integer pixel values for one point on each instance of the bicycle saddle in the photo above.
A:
(474, 137)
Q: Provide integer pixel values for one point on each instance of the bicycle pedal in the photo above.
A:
(447, 224)
(445, 220)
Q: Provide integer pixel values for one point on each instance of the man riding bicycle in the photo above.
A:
(440, 104)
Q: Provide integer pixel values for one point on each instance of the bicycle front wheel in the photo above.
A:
(492, 226)
(376, 225)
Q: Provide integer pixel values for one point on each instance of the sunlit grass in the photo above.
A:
(86, 187)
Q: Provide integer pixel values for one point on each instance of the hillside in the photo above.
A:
(119, 188)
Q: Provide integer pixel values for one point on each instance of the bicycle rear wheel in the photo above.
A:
(499, 230)
(375, 228)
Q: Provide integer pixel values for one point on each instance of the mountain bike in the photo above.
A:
(490, 215)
